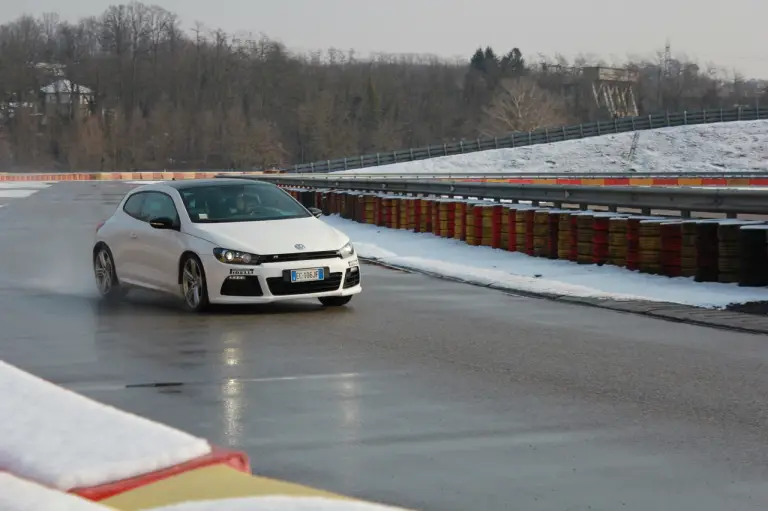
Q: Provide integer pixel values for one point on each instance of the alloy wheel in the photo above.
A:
(192, 283)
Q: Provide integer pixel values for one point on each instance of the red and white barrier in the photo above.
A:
(65, 441)
(62, 451)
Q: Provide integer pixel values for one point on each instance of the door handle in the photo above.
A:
(134, 235)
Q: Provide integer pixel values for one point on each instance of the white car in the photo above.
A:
(223, 241)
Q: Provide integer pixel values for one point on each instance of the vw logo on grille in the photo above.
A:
(299, 246)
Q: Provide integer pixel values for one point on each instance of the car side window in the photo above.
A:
(157, 205)
(133, 205)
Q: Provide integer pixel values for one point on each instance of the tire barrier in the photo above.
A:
(584, 237)
(617, 241)
(426, 219)
(649, 246)
(473, 222)
(688, 248)
(460, 221)
(708, 250)
(671, 248)
(753, 270)
(541, 233)
(566, 241)
(600, 229)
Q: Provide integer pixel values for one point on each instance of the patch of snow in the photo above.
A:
(63, 440)
(22, 495)
(276, 503)
(518, 271)
(721, 147)
(27, 185)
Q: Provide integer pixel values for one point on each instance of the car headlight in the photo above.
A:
(234, 257)
(347, 251)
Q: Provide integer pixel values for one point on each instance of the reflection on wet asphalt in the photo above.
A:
(422, 392)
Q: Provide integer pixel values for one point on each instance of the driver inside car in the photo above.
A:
(244, 205)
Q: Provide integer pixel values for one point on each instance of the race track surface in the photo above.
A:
(423, 393)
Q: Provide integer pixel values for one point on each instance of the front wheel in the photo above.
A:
(193, 284)
(335, 301)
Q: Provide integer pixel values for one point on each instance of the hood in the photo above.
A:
(273, 236)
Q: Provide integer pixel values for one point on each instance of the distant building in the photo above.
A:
(63, 96)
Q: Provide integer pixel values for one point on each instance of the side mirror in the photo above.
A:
(317, 213)
(162, 223)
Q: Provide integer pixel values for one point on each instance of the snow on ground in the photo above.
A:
(276, 503)
(722, 147)
(517, 271)
(21, 495)
(60, 439)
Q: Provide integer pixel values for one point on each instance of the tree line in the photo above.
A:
(148, 95)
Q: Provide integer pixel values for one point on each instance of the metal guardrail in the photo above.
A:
(684, 200)
(539, 175)
(543, 136)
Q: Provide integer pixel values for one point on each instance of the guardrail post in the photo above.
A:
(378, 159)
(496, 142)
(738, 114)
(445, 149)
(461, 146)
(685, 118)
(411, 153)
(394, 156)
(546, 135)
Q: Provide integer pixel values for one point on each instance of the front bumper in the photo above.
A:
(268, 282)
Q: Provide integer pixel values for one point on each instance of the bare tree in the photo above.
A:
(519, 104)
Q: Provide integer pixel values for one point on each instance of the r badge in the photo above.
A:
(299, 246)
(241, 272)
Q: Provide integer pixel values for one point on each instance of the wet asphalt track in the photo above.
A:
(423, 393)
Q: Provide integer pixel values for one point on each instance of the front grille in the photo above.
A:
(282, 286)
(306, 256)
(352, 278)
(241, 285)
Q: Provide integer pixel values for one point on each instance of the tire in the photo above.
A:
(105, 274)
(335, 301)
(194, 287)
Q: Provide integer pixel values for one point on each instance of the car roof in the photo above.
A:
(186, 184)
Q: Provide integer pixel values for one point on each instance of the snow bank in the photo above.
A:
(60, 439)
(21, 495)
(276, 503)
(518, 271)
(723, 147)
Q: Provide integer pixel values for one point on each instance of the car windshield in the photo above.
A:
(246, 202)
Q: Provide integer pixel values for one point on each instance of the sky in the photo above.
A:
(730, 34)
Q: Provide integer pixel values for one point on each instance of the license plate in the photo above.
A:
(310, 275)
